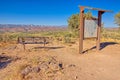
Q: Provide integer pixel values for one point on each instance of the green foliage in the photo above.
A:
(117, 19)
(62, 36)
(65, 36)
(74, 20)
(88, 15)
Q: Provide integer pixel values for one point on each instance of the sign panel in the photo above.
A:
(90, 28)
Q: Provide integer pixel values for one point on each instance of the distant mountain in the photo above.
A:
(112, 28)
(29, 28)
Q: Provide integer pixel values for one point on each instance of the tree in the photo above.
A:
(117, 19)
(88, 15)
(74, 20)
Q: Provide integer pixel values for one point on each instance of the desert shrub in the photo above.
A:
(12, 36)
(67, 38)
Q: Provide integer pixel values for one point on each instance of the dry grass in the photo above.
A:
(111, 36)
(67, 37)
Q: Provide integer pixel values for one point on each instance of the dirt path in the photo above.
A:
(92, 65)
(103, 65)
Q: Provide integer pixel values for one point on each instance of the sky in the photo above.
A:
(52, 12)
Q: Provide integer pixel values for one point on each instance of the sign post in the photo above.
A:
(99, 29)
(81, 27)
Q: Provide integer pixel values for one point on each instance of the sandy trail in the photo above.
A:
(93, 65)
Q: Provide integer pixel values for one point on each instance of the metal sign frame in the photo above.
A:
(81, 26)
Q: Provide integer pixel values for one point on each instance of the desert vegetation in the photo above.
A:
(59, 60)
(12, 36)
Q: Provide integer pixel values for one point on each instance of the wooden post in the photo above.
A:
(44, 41)
(99, 29)
(81, 28)
(24, 46)
(18, 41)
(23, 43)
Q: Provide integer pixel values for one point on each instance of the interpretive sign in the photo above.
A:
(90, 28)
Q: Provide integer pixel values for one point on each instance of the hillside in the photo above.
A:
(30, 28)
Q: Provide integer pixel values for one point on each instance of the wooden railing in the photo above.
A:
(34, 40)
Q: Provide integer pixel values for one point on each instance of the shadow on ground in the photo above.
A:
(4, 61)
(48, 47)
(102, 46)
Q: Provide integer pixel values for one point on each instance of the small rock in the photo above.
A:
(43, 66)
(54, 66)
(71, 65)
(76, 77)
(26, 71)
(36, 69)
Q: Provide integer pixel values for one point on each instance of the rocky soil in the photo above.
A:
(61, 62)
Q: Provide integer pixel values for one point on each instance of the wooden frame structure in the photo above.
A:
(81, 26)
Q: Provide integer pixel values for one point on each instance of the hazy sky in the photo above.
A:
(52, 12)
